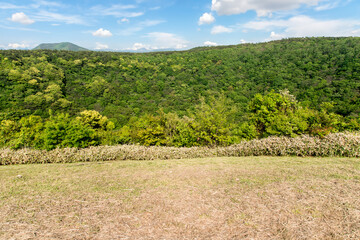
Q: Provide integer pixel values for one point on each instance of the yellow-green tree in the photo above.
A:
(96, 120)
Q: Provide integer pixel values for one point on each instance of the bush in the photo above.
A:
(62, 131)
(121, 136)
(29, 134)
(212, 125)
(149, 130)
(8, 129)
(277, 114)
(321, 123)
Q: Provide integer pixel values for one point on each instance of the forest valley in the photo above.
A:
(201, 97)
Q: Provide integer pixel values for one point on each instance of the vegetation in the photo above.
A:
(202, 97)
(200, 105)
(208, 198)
(335, 144)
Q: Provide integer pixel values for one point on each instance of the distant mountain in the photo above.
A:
(145, 50)
(60, 46)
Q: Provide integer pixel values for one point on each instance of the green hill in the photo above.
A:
(60, 46)
(204, 96)
(126, 85)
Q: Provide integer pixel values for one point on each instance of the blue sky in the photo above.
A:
(175, 24)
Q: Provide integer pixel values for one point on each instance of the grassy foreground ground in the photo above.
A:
(211, 198)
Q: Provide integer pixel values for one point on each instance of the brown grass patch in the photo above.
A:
(213, 198)
(336, 144)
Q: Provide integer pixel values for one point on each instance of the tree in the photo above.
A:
(277, 114)
(95, 120)
(62, 131)
(212, 124)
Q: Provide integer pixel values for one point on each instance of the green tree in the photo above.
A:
(324, 122)
(8, 129)
(212, 121)
(149, 130)
(95, 120)
(30, 134)
(277, 114)
(63, 131)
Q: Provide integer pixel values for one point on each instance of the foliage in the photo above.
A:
(277, 114)
(149, 131)
(212, 124)
(58, 131)
(62, 131)
(7, 131)
(29, 134)
(209, 124)
(204, 96)
(123, 85)
(95, 120)
(322, 122)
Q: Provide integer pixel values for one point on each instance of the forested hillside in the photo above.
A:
(125, 86)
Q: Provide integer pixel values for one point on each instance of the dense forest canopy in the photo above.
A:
(121, 85)
(127, 86)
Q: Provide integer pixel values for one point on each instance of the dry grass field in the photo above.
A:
(209, 198)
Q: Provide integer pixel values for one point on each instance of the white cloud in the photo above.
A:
(130, 31)
(4, 5)
(327, 6)
(102, 33)
(304, 26)
(242, 41)
(208, 43)
(155, 8)
(123, 20)
(221, 29)
(46, 16)
(355, 32)
(39, 3)
(23, 29)
(275, 36)
(138, 46)
(100, 46)
(161, 40)
(17, 45)
(118, 10)
(21, 17)
(149, 23)
(206, 18)
(262, 7)
(140, 26)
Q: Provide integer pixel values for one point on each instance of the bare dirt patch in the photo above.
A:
(214, 198)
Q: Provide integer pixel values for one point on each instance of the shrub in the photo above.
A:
(149, 130)
(277, 114)
(29, 134)
(121, 136)
(62, 131)
(8, 129)
(321, 123)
